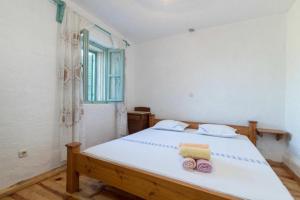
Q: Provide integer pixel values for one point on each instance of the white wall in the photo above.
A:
(28, 89)
(28, 105)
(225, 74)
(293, 86)
(99, 123)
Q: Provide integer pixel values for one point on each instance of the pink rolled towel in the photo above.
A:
(189, 163)
(204, 166)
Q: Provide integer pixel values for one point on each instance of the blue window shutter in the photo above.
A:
(91, 76)
(85, 60)
(115, 76)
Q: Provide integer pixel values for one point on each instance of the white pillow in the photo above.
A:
(217, 130)
(170, 125)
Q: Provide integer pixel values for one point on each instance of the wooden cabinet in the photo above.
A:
(137, 121)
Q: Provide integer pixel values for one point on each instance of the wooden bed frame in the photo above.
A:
(139, 182)
(249, 131)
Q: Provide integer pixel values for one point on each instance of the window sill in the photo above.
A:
(101, 103)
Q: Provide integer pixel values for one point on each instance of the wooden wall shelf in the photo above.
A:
(277, 133)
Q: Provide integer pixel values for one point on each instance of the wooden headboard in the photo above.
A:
(249, 131)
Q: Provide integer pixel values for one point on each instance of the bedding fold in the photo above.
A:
(238, 170)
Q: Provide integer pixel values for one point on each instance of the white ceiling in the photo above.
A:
(142, 20)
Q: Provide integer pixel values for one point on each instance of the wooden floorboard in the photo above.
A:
(53, 188)
(281, 172)
(29, 182)
(7, 198)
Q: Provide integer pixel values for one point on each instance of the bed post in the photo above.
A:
(252, 131)
(151, 120)
(72, 176)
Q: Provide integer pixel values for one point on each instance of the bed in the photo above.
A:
(147, 164)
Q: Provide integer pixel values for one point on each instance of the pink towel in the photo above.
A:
(189, 163)
(204, 166)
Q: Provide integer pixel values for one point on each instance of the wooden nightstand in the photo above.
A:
(138, 120)
(277, 133)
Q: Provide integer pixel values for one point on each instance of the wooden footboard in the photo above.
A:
(135, 181)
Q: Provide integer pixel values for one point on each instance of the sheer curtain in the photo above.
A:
(70, 81)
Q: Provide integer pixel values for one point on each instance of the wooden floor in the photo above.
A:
(288, 179)
(54, 189)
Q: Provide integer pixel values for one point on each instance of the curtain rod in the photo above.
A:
(109, 33)
(53, 1)
(97, 26)
(102, 29)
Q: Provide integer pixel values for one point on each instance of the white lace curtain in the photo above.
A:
(121, 119)
(70, 81)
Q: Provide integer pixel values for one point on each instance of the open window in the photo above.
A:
(103, 72)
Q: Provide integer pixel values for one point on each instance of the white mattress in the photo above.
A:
(238, 168)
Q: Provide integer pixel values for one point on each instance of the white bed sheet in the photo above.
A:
(238, 167)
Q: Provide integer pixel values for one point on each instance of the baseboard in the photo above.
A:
(26, 183)
(274, 163)
(293, 162)
(296, 177)
(285, 166)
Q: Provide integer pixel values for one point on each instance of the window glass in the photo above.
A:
(103, 72)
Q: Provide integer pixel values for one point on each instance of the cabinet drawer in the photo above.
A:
(137, 121)
(134, 117)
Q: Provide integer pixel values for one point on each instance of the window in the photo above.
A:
(103, 72)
